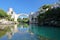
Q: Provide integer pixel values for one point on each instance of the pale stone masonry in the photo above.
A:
(14, 15)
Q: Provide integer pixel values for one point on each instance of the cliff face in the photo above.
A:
(50, 17)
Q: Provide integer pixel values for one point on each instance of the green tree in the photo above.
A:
(46, 6)
(50, 15)
(25, 20)
(19, 19)
(3, 14)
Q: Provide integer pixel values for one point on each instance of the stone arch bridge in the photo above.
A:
(16, 16)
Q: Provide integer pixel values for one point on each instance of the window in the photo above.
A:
(12, 12)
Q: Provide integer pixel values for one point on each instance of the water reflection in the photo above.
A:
(28, 32)
(13, 30)
(16, 32)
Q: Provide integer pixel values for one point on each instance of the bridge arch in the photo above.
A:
(16, 16)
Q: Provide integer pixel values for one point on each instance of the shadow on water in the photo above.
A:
(51, 33)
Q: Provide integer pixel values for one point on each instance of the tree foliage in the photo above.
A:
(50, 15)
(46, 6)
(3, 14)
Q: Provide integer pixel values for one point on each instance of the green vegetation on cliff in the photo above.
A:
(50, 17)
(3, 14)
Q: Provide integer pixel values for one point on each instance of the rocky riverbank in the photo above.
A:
(6, 22)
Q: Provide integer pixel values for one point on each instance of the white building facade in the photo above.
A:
(33, 17)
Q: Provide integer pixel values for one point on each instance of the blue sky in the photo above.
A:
(24, 6)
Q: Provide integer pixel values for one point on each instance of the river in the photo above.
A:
(29, 32)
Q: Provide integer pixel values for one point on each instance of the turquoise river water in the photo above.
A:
(29, 32)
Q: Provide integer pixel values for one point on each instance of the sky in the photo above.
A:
(24, 6)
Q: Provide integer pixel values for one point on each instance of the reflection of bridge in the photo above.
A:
(14, 29)
(14, 15)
